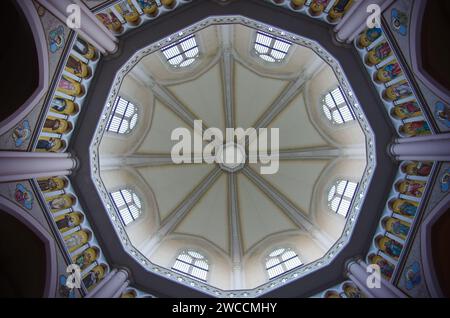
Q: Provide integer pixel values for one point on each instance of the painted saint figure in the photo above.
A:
(87, 257)
(389, 246)
(69, 221)
(95, 276)
(110, 20)
(61, 202)
(338, 10)
(57, 125)
(406, 110)
(404, 207)
(398, 91)
(50, 144)
(378, 54)
(417, 128)
(317, 7)
(368, 37)
(64, 106)
(388, 72)
(77, 240)
(396, 227)
(129, 12)
(149, 7)
(52, 184)
(387, 269)
(351, 291)
(411, 188)
(420, 169)
(85, 49)
(70, 87)
(78, 68)
(297, 4)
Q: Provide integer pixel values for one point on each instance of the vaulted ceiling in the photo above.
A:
(234, 214)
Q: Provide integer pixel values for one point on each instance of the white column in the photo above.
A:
(91, 29)
(28, 165)
(357, 272)
(432, 148)
(112, 286)
(355, 21)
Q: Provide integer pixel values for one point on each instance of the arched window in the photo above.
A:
(335, 107)
(193, 264)
(340, 196)
(182, 53)
(128, 204)
(271, 49)
(123, 118)
(280, 261)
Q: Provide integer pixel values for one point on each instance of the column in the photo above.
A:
(91, 29)
(28, 165)
(433, 148)
(357, 272)
(355, 20)
(112, 286)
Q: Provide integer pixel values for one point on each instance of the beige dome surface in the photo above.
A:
(235, 219)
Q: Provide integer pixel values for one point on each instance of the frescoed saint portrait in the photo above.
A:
(413, 276)
(399, 21)
(56, 39)
(443, 113)
(24, 196)
(21, 133)
(445, 181)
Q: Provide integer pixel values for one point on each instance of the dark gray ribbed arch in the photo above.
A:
(383, 176)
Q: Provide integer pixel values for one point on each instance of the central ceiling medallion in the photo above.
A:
(231, 157)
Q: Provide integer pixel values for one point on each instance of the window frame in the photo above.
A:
(342, 197)
(127, 205)
(339, 107)
(271, 48)
(122, 117)
(191, 265)
(281, 262)
(182, 52)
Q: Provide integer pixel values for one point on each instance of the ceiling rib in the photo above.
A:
(227, 74)
(236, 237)
(289, 93)
(322, 153)
(289, 209)
(140, 74)
(139, 161)
(172, 221)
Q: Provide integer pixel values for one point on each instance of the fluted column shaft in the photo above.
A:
(357, 271)
(432, 148)
(91, 29)
(112, 286)
(355, 21)
(29, 165)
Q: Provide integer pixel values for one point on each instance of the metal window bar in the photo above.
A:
(343, 196)
(273, 39)
(337, 107)
(191, 267)
(342, 105)
(283, 264)
(122, 118)
(347, 103)
(180, 48)
(130, 214)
